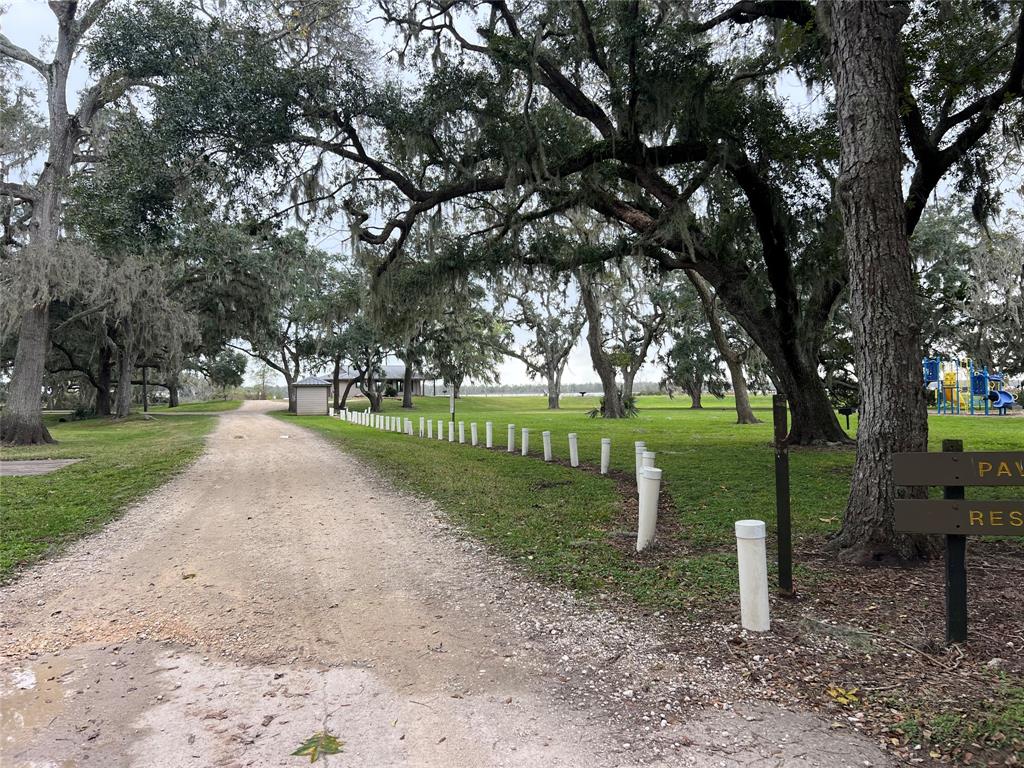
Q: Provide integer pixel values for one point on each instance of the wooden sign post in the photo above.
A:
(956, 517)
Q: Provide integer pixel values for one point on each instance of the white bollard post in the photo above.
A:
(422, 425)
(753, 567)
(440, 429)
(647, 459)
(574, 450)
(408, 427)
(451, 431)
(473, 436)
(462, 432)
(606, 454)
(430, 429)
(489, 434)
(547, 445)
(526, 441)
(640, 446)
(647, 523)
(511, 437)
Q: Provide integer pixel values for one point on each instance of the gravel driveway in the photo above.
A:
(279, 587)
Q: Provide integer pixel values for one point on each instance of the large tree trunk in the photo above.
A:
(612, 407)
(407, 383)
(172, 390)
(695, 393)
(336, 385)
(22, 419)
(348, 389)
(126, 364)
(554, 378)
(744, 413)
(893, 416)
(733, 359)
(103, 378)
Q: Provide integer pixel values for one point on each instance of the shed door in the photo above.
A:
(311, 401)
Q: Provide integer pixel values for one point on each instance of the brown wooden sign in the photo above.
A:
(1004, 468)
(974, 517)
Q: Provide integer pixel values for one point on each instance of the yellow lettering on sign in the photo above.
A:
(1016, 518)
(1020, 467)
(995, 517)
(977, 517)
(983, 467)
(1004, 470)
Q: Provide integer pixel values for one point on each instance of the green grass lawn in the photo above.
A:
(563, 522)
(121, 461)
(209, 406)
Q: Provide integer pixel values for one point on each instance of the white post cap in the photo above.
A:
(750, 529)
(606, 441)
(572, 435)
(639, 444)
(546, 433)
(649, 454)
(653, 473)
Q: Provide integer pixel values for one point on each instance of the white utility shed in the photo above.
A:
(311, 396)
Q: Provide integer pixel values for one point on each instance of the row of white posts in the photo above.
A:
(750, 534)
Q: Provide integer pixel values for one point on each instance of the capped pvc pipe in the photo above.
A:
(547, 445)
(462, 431)
(606, 454)
(422, 425)
(473, 436)
(451, 431)
(647, 523)
(489, 434)
(440, 429)
(753, 571)
(639, 446)
(574, 450)
(511, 437)
(408, 427)
(430, 429)
(647, 459)
(526, 441)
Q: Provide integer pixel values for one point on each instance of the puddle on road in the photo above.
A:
(32, 695)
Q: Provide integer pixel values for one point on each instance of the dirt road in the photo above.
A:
(278, 588)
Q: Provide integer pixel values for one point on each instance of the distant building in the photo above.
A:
(394, 378)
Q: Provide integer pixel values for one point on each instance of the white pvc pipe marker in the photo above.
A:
(451, 431)
(511, 437)
(606, 454)
(489, 434)
(574, 450)
(440, 429)
(462, 431)
(640, 446)
(647, 524)
(753, 566)
(430, 429)
(473, 433)
(526, 441)
(422, 423)
(547, 445)
(646, 460)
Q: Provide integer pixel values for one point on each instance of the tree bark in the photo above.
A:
(733, 358)
(348, 389)
(407, 383)
(172, 391)
(695, 394)
(612, 403)
(554, 378)
(866, 62)
(22, 419)
(103, 380)
(126, 364)
(336, 385)
(744, 413)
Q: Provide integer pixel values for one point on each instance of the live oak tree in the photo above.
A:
(546, 306)
(42, 193)
(546, 110)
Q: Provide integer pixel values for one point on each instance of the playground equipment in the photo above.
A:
(960, 387)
